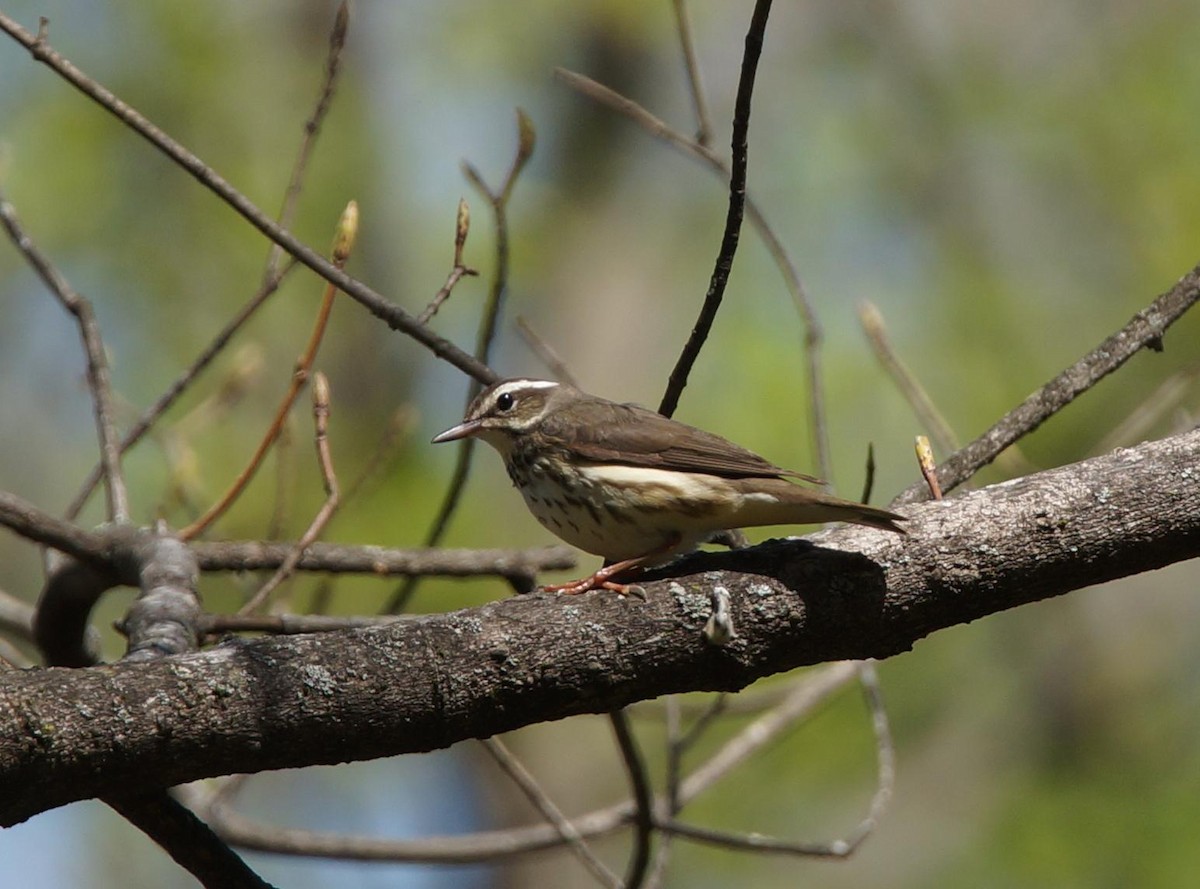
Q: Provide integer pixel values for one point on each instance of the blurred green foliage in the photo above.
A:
(1007, 182)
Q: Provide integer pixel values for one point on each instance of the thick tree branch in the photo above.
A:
(427, 683)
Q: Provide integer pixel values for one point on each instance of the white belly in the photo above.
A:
(643, 510)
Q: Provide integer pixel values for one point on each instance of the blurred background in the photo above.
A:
(1007, 182)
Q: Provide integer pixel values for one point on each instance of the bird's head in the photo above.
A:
(503, 411)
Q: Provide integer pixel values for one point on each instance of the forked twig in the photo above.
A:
(462, 226)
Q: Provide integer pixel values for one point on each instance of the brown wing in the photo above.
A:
(634, 436)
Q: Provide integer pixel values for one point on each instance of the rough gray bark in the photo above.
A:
(422, 684)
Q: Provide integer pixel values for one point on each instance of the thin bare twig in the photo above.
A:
(754, 842)
(343, 244)
(1144, 330)
(388, 312)
(273, 273)
(320, 396)
(643, 798)
(716, 706)
(543, 350)
(813, 335)
(906, 381)
(190, 842)
(332, 558)
(97, 363)
(695, 87)
(150, 415)
(733, 218)
(839, 848)
(498, 200)
(34, 524)
(803, 698)
(885, 754)
(554, 815)
(312, 128)
(98, 549)
(526, 141)
(674, 767)
(462, 225)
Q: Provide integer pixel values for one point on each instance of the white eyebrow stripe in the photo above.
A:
(518, 385)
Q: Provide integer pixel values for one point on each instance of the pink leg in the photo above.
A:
(602, 579)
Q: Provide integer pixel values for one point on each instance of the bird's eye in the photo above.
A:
(505, 402)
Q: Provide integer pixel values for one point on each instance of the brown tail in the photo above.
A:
(792, 504)
(861, 514)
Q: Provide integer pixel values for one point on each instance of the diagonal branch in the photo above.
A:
(393, 315)
(1144, 331)
(273, 274)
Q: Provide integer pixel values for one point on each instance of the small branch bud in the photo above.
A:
(347, 231)
(928, 466)
(320, 391)
(337, 37)
(526, 137)
(462, 225)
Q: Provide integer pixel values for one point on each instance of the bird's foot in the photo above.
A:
(602, 580)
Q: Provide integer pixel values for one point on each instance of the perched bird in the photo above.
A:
(633, 486)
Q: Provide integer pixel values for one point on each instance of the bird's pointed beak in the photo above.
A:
(465, 429)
